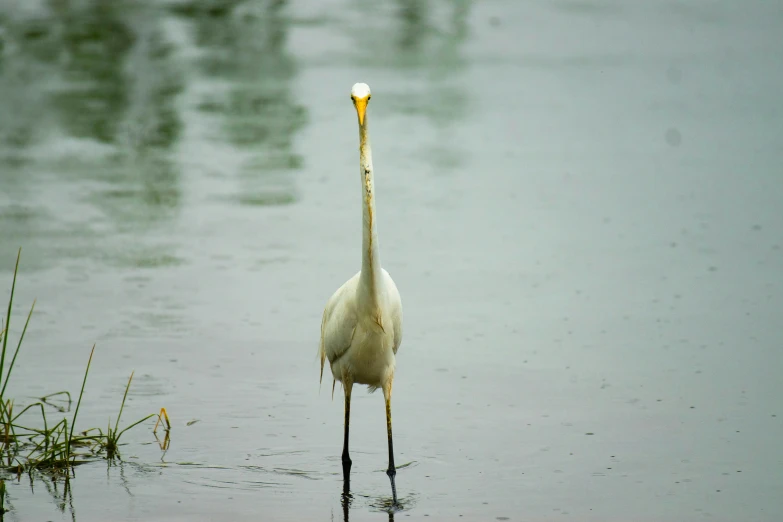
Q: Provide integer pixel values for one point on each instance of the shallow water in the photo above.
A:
(580, 202)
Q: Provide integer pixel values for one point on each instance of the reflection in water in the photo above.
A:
(62, 500)
(444, 64)
(152, 120)
(23, 118)
(424, 47)
(59, 486)
(247, 45)
(67, 500)
(383, 504)
(119, 78)
(20, 111)
(90, 117)
(121, 85)
(95, 44)
(346, 498)
(412, 18)
(97, 127)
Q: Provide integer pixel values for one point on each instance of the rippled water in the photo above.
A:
(580, 202)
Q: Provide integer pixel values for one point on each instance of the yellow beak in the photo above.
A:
(361, 108)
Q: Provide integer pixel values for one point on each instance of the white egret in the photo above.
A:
(362, 322)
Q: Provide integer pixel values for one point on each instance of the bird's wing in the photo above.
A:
(397, 323)
(395, 306)
(338, 323)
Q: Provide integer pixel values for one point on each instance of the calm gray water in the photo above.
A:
(580, 202)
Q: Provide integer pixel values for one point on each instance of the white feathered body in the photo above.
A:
(360, 334)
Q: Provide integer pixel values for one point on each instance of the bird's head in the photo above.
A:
(360, 95)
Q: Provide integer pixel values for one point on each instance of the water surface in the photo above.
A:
(578, 200)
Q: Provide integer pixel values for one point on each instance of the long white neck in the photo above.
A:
(370, 279)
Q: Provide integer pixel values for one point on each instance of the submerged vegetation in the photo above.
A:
(31, 441)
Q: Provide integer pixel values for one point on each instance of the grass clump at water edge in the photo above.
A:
(46, 447)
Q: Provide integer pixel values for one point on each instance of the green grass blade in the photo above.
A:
(8, 317)
(47, 397)
(43, 415)
(127, 387)
(134, 424)
(78, 403)
(18, 346)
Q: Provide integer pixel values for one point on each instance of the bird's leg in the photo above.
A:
(392, 471)
(347, 385)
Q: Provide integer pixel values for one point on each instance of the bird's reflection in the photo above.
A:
(346, 498)
(384, 504)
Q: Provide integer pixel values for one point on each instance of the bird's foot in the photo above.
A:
(346, 464)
